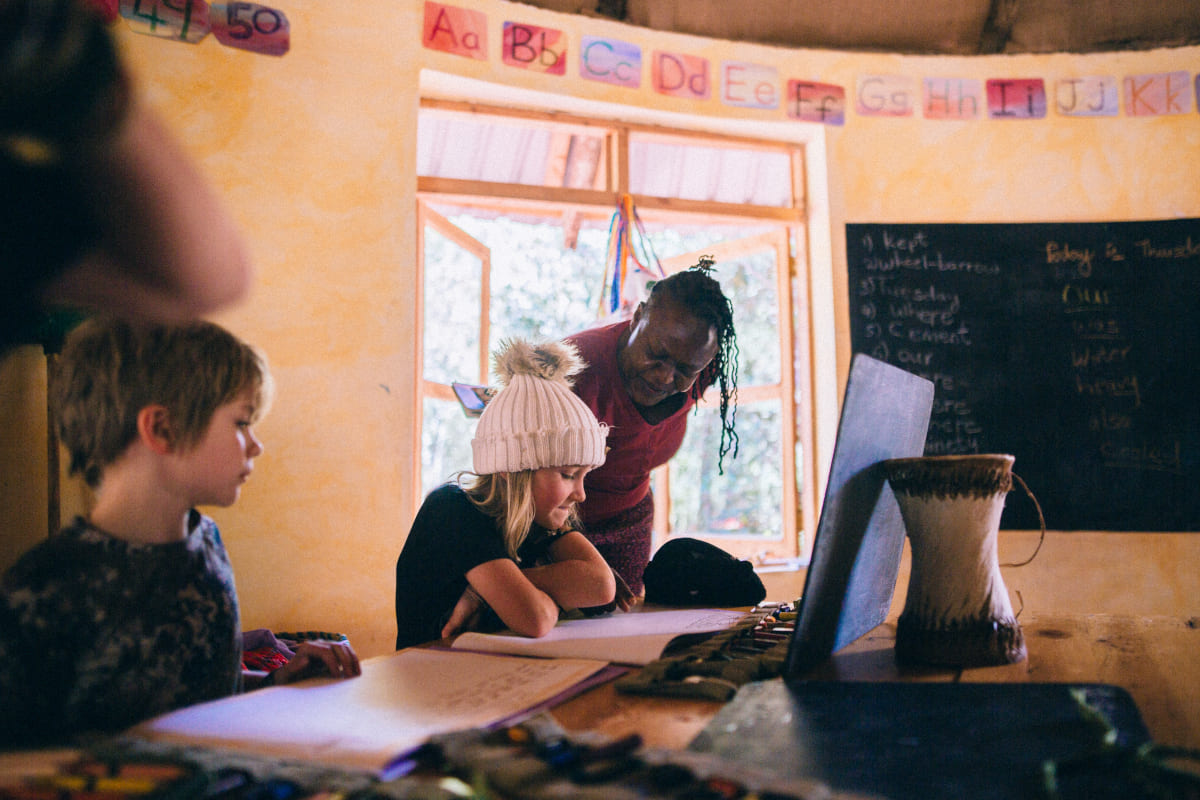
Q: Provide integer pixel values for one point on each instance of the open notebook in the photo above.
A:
(637, 637)
(370, 723)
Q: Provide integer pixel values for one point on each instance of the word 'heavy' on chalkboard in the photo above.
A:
(1073, 346)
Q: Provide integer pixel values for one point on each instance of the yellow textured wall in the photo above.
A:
(1074, 572)
(314, 152)
(23, 459)
(1050, 170)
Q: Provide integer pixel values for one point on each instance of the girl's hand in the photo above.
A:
(465, 615)
(625, 599)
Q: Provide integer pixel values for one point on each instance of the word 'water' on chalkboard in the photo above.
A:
(1073, 346)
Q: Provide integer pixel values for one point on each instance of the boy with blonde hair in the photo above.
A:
(132, 611)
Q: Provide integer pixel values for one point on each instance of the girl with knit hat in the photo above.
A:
(504, 549)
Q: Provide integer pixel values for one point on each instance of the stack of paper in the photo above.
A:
(636, 638)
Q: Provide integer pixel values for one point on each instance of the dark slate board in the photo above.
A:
(924, 741)
(1072, 346)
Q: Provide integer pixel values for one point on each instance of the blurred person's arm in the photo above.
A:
(168, 249)
(106, 210)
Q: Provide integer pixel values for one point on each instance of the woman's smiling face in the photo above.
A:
(666, 350)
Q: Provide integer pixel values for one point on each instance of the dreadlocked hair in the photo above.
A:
(695, 290)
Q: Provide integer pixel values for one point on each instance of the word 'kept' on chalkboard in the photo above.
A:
(1073, 346)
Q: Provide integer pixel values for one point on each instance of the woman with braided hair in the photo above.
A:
(644, 374)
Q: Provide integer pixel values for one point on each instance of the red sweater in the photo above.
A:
(635, 446)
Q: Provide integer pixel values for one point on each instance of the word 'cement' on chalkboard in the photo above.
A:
(1073, 346)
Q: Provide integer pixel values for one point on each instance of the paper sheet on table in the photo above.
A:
(368, 722)
(633, 638)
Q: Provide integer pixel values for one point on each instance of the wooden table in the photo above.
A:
(1156, 659)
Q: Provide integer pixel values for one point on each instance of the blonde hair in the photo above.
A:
(110, 369)
(507, 497)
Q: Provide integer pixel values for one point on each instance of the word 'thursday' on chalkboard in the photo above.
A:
(1073, 346)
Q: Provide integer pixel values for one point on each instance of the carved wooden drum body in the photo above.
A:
(957, 611)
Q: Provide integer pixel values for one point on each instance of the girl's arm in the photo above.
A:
(527, 600)
(520, 604)
(579, 577)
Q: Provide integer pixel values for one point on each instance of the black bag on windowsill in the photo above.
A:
(690, 572)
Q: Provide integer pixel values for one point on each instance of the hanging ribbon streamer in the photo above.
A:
(625, 284)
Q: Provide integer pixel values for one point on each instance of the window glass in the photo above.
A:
(664, 168)
(540, 288)
(485, 148)
(745, 501)
(453, 281)
(750, 284)
(445, 442)
(669, 240)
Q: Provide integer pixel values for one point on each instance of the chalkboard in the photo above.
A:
(1073, 346)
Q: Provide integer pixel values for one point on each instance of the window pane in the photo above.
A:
(750, 284)
(661, 168)
(540, 288)
(484, 148)
(748, 499)
(453, 280)
(445, 443)
(676, 238)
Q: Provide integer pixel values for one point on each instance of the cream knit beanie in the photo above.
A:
(535, 420)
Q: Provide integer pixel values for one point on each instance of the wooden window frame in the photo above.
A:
(793, 304)
(428, 217)
(801, 502)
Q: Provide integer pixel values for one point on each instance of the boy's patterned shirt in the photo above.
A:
(98, 634)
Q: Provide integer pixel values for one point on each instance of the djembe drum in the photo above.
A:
(957, 611)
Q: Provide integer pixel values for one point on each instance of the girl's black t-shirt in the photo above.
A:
(450, 536)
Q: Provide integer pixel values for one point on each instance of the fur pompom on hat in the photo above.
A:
(535, 420)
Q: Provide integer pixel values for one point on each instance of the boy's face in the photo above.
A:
(223, 459)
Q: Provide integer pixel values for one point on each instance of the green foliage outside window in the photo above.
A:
(747, 499)
(445, 443)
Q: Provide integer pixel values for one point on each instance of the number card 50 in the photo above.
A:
(246, 26)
